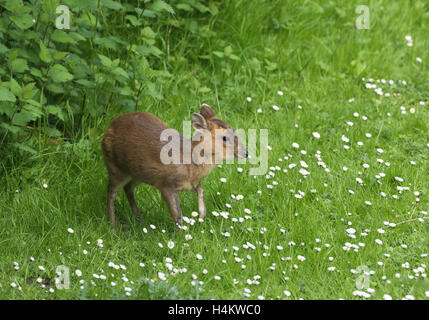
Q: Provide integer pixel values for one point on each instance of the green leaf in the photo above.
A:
(35, 110)
(228, 50)
(44, 54)
(148, 33)
(76, 36)
(24, 147)
(126, 91)
(13, 129)
(58, 55)
(52, 132)
(149, 13)
(111, 4)
(59, 74)
(15, 87)
(7, 108)
(3, 49)
(106, 43)
(255, 64)
(86, 83)
(23, 117)
(271, 66)
(133, 20)
(118, 71)
(160, 5)
(218, 53)
(185, 7)
(105, 61)
(19, 65)
(36, 72)
(115, 62)
(23, 21)
(34, 103)
(200, 7)
(204, 89)
(84, 5)
(213, 9)
(28, 91)
(152, 91)
(55, 111)
(62, 37)
(147, 50)
(155, 51)
(53, 87)
(6, 95)
(99, 78)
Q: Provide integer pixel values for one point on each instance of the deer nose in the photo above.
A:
(246, 154)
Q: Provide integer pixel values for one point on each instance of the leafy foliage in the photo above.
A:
(111, 60)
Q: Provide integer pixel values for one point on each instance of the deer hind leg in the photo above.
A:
(129, 191)
(117, 179)
(172, 199)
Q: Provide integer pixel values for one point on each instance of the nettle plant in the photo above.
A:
(58, 81)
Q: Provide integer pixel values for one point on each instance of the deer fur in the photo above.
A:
(132, 146)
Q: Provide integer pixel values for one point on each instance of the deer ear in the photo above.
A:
(207, 112)
(198, 122)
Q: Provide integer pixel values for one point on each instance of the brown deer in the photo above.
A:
(133, 148)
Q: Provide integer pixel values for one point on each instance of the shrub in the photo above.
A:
(52, 81)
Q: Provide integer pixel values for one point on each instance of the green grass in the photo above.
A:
(320, 59)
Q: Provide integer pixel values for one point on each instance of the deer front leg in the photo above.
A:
(201, 205)
(172, 199)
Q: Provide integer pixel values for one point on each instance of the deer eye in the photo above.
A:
(225, 139)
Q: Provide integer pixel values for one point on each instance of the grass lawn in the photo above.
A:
(342, 211)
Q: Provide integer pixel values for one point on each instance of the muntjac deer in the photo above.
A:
(133, 149)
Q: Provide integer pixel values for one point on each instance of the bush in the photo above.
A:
(52, 81)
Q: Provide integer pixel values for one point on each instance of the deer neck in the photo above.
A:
(200, 166)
